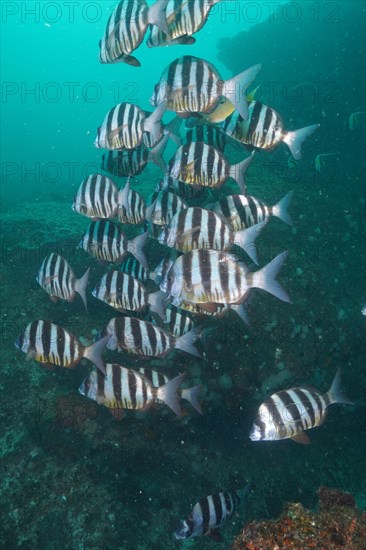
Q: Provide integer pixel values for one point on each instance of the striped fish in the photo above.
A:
(165, 206)
(264, 129)
(210, 514)
(105, 241)
(58, 279)
(131, 162)
(188, 394)
(123, 388)
(132, 267)
(124, 293)
(132, 208)
(244, 211)
(207, 133)
(163, 267)
(202, 164)
(195, 228)
(206, 276)
(288, 413)
(124, 126)
(97, 197)
(184, 18)
(126, 29)
(145, 339)
(53, 345)
(193, 85)
(184, 191)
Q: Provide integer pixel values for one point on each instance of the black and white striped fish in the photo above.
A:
(57, 278)
(194, 228)
(123, 388)
(124, 293)
(159, 379)
(124, 126)
(210, 514)
(132, 267)
(185, 191)
(132, 208)
(53, 345)
(193, 85)
(206, 276)
(288, 413)
(201, 164)
(161, 270)
(97, 197)
(126, 29)
(146, 339)
(105, 241)
(207, 133)
(243, 211)
(184, 18)
(131, 162)
(165, 206)
(264, 129)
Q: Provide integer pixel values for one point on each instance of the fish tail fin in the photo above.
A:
(238, 171)
(156, 15)
(135, 247)
(186, 342)
(335, 394)
(295, 139)
(245, 239)
(265, 278)
(168, 394)
(191, 395)
(156, 153)
(156, 302)
(235, 89)
(80, 287)
(280, 211)
(172, 130)
(95, 351)
(242, 311)
(153, 122)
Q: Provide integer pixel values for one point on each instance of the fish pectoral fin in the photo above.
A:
(215, 535)
(301, 438)
(189, 233)
(49, 279)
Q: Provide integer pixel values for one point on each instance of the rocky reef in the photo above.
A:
(337, 523)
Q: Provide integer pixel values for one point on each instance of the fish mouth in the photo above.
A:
(17, 343)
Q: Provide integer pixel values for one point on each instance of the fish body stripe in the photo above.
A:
(97, 197)
(211, 512)
(189, 84)
(51, 344)
(211, 135)
(264, 128)
(121, 291)
(166, 206)
(128, 162)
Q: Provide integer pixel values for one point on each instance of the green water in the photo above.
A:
(72, 477)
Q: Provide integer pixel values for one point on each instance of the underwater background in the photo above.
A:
(73, 477)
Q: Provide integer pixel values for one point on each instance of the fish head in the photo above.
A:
(183, 531)
(166, 237)
(100, 139)
(255, 433)
(21, 343)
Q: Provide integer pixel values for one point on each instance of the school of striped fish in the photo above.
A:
(161, 308)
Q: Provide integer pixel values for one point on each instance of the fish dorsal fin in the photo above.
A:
(215, 535)
(301, 438)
